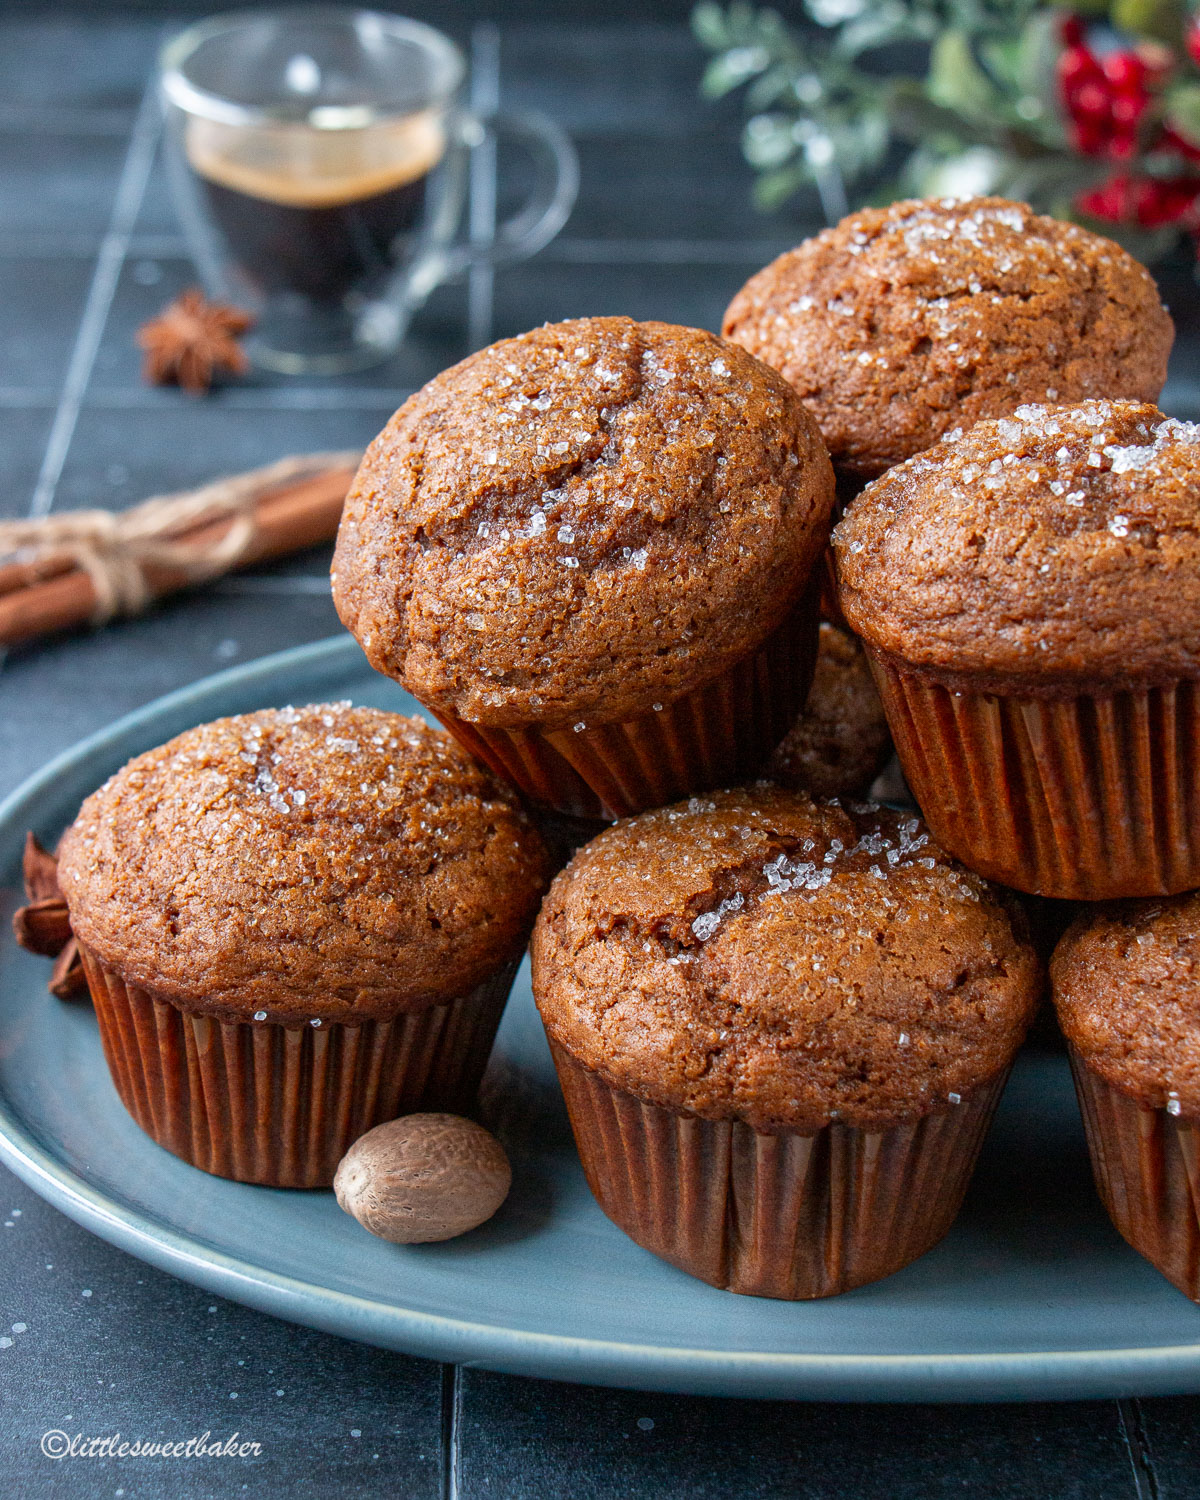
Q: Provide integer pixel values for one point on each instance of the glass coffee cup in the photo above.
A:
(318, 156)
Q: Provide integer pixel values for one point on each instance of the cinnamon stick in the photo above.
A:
(54, 593)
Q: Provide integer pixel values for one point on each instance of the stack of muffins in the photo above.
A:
(781, 1017)
(1019, 555)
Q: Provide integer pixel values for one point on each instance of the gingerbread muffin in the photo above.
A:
(840, 741)
(1126, 984)
(1029, 594)
(296, 924)
(587, 551)
(781, 1028)
(902, 323)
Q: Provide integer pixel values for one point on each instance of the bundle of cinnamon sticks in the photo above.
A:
(82, 567)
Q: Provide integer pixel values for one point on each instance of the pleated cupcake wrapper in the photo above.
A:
(719, 734)
(1146, 1163)
(1085, 797)
(268, 1103)
(773, 1215)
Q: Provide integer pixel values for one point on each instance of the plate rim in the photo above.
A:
(975, 1377)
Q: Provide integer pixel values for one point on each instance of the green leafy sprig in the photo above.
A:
(978, 109)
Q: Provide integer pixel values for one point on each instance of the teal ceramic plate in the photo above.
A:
(1032, 1294)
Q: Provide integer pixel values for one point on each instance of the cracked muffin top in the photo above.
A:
(577, 523)
(326, 863)
(1057, 545)
(761, 957)
(1127, 990)
(901, 323)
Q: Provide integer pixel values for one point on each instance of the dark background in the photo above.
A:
(92, 1340)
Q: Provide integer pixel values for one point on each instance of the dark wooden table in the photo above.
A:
(92, 1340)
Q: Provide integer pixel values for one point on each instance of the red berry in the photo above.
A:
(1125, 71)
(1148, 203)
(1127, 111)
(1183, 199)
(1071, 30)
(1075, 65)
(1159, 201)
(1088, 138)
(1192, 39)
(1107, 202)
(1122, 146)
(1091, 101)
(1121, 189)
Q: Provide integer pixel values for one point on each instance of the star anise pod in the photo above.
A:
(192, 340)
(44, 925)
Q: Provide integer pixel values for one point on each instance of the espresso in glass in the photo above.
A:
(321, 214)
(318, 158)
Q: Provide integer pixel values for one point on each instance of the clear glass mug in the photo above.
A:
(318, 157)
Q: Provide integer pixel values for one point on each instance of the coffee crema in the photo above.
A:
(318, 213)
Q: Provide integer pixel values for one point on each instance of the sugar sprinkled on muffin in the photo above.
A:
(781, 1028)
(329, 861)
(757, 956)
(580, 522)
(578, 546)
(1059, 542)
(901, 323)
(1126, 982)
(296, 924)
(1127, 990)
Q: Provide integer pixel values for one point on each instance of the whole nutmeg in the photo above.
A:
(423, 1177)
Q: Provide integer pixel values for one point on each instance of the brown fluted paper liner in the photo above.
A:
(773, 1215)
(1147, 1169)
(719, 734)
(268, 1103)
(1084, 797)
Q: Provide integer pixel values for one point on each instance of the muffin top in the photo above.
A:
(840, 741)
(1127, 989)
(327, 863)
(1059, 544)
(580, 522)
(903, 322)
(760, 957)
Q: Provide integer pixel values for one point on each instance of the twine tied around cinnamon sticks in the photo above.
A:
(88, 566)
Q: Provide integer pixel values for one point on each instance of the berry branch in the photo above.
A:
(1092, 113)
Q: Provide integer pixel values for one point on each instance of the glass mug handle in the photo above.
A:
(556, 184)
(524, 233)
